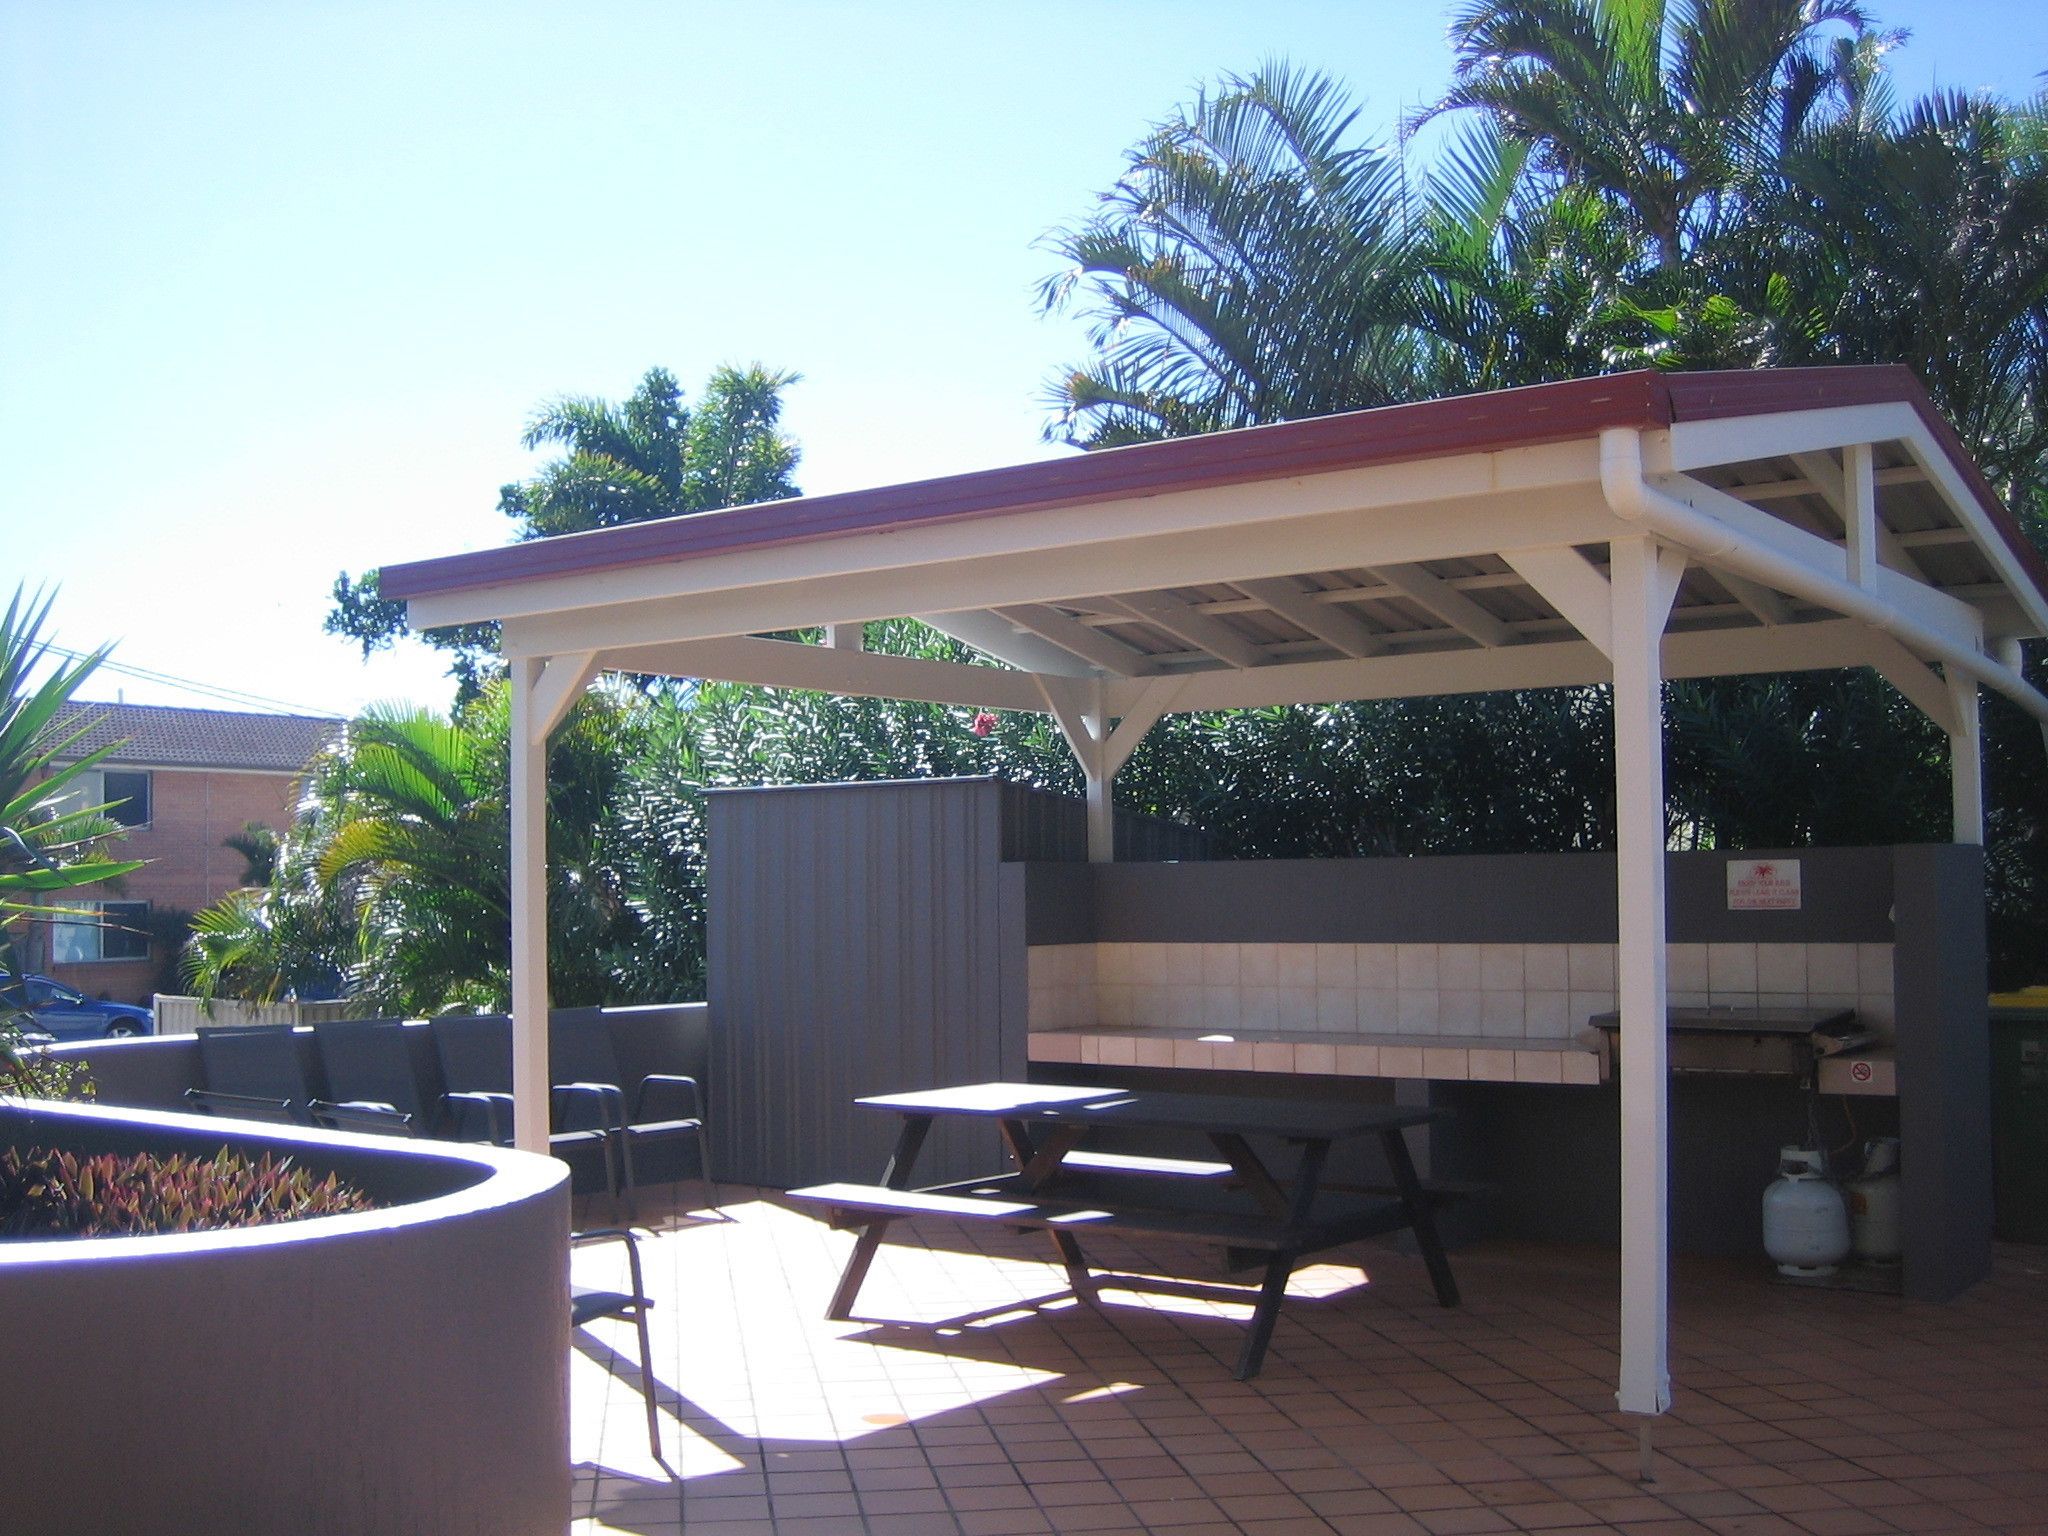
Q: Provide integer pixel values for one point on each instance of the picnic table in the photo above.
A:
(1258, 1213)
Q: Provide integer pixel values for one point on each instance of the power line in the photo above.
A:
(204, 690)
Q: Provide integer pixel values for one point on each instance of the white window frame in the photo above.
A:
(131, 918)
(90, 788)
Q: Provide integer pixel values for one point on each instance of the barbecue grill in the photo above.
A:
(1744, 1042)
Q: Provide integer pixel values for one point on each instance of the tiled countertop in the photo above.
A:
(1455, 1058)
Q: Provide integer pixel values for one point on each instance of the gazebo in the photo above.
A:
(1617, 530)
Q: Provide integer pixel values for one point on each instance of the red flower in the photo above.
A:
(984, 722)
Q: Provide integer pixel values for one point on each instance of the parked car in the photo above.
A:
(65, 1014)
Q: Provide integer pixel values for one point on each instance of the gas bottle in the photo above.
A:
(1874, 1203)
(1806, 1222)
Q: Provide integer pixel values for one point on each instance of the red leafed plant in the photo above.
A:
(53, 1193)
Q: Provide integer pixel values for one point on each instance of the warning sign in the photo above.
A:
(1860, 1071)
(1763, 885)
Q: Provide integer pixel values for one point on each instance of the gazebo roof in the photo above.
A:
(1444, 546)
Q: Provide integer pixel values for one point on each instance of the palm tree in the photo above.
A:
(646, 457)
(47, 844)
(393, 884)
(652, 456)
(1252, 264)
(1677, 115)
(1927, 239)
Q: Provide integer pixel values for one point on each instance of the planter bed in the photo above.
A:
(391, 1371)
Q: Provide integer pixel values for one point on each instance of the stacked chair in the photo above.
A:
(262, 1073)
(663, 1107)
(452, 1078)
(476, 1061)
(588, 1098)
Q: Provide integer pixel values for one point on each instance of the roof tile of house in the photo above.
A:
(165, 737)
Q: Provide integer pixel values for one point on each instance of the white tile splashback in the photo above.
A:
(1506, 991)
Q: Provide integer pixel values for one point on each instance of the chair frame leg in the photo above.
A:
(622, 1178)
(704, 1169)
(647, 1382)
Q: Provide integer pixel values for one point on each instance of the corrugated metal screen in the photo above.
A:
(860, 941)
(856, 947)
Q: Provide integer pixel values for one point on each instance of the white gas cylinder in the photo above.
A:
(1806, 1222)
(1874, 1203)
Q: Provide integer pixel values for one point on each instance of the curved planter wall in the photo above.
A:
(400, 1371)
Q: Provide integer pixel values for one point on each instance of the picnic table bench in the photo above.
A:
(1067, 1191)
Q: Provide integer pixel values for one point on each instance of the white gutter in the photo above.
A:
(1633, 499)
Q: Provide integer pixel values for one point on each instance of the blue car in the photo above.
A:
(56, 1010)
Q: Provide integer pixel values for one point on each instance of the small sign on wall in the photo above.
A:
(1763, 885)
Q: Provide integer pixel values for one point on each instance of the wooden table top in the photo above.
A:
(1291, 1118)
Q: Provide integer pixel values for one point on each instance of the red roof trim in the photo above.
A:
(1510, 418)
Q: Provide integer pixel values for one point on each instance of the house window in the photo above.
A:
(129, 790)
(124, 792)
(119, 931)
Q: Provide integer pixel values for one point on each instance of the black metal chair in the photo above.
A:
(663, 1107)
(378, 1080)
(589, 1304)
(263, 1072)
(476, 1062)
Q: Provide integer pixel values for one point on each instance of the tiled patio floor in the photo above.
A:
(1001, 1406)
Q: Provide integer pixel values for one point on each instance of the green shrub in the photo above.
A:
(53, 1193)
(27, 1073)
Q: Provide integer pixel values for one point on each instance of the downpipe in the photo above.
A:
(1711, 542)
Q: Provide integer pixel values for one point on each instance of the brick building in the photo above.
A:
(187, 780)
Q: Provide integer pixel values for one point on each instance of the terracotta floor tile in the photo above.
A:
(1004, 1522)
(975, 1396)
(1393, 1524)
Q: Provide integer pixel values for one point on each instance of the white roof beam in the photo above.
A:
(994, 635)
(1923, 687)
(1447, 603)
(1196, 628)
(822, 669)
(1822, 644)
(1153, 701)
(1961, 498)
(1855, 503)
(1071, 635)
(1745, 439)
(1861, 527)
(789, 597)
(1780, 490)
(1764, 605)
(1955, 620)
(1525, 478)
(1927, 620)
(561, 683)
(1930, 538)
(1079, 708)
(1567, 581)
(1325, 620)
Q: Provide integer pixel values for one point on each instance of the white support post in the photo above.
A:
(1081, 706)
(1101, 821)
(1642, 595)
(1966, 760)
(529, 892)
(1859, 514)
(1101, 777)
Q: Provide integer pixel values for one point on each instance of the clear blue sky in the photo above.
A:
(279, 284)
